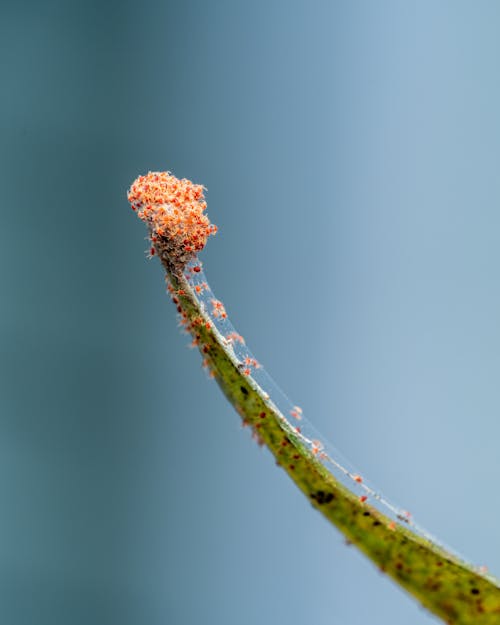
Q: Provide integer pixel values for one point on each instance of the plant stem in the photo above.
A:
(447, 586)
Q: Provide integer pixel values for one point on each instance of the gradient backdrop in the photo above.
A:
(351, 152)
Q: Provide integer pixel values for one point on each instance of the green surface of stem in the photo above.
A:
(445, 585)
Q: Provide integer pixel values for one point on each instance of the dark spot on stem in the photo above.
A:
(243, 390)
(475, 591)
(321, 497)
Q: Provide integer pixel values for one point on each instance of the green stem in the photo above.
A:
(447, 586)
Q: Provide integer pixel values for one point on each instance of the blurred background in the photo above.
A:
(350, 151)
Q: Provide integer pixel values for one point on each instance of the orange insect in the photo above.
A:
(317, 446)
(296, 412)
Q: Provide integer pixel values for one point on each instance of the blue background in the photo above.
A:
(351, 151)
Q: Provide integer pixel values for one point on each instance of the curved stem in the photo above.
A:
(444, 584)
(449, 587)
